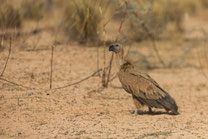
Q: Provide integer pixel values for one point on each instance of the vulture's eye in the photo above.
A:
(117, 46)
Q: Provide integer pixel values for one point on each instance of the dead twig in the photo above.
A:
(152, 37)
(103, 77)
(129, 48)
(98, 58)
(10, 49)
(84, 79)
(109, 71)
(116, 87)
(157, 52)
(2, 41)
(122, 21)
(117, 9)
(201, 67)
(51, 77)
(205, 54)
(124, 15)
(113, 78)
(15, 83)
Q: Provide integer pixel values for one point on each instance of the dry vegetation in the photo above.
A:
(82, 19)
(9, 16)
(53, 87)
(32, 9)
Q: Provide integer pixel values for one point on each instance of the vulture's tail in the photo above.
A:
(169, 104)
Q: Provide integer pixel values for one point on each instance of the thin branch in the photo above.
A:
(15, 83)
(98, 58)
(122, 21)
(104, 58)
(84, 79)
(1, 41)
(116, 87)
(10, 49)
(157, 52)
(117, 9)
(109, 71)
(124, 15)
(51, 77)
(129, 48)
(201, 66)
(113, 78)
(151, 36)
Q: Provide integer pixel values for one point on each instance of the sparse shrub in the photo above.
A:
(150, 17)
(145, 20)
(190, 6)
(82, 19)
(9, 16)
(32, 9)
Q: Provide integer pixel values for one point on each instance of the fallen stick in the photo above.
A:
(86, 78)
(15, 83)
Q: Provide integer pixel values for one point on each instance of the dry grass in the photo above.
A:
(82, 19)
(32, 9)
(156, 134)
(9, 16)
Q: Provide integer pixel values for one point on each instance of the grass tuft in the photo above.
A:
(9, 16)
(32, 9)
(82, 19)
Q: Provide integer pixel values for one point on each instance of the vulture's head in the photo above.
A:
(116, 48)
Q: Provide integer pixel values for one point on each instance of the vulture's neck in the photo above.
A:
(123, 63)
(120, 57)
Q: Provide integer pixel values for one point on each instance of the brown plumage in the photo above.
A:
(144, 90)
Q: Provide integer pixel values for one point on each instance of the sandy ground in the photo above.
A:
(82, 111)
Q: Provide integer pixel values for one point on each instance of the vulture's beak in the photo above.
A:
(111, 48)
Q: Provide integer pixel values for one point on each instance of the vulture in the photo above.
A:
(144, 90)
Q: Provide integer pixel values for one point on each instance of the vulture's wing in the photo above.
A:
(146, 90)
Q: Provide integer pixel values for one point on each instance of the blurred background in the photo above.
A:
(150, 28)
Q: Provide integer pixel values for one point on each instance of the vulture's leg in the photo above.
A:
(167, 110)
(150, 109)
(138, 105)
(173, 112)
(135, 113)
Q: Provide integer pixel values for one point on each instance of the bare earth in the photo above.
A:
(82, 111)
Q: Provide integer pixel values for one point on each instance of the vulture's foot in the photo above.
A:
(135, 112)
(172, 112)
(175, 113)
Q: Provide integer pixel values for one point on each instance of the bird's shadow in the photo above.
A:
(154, 113)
